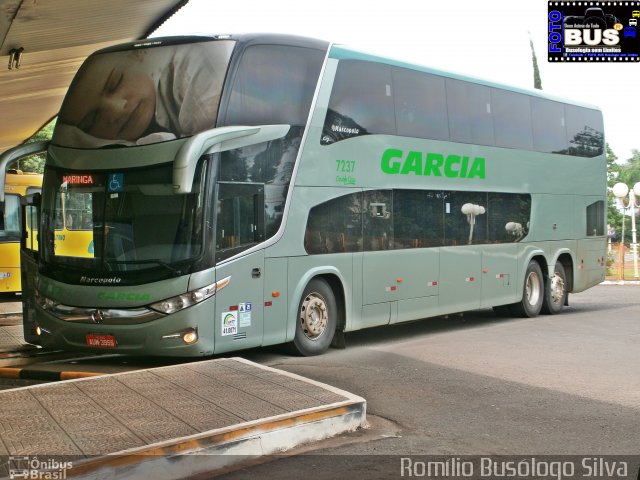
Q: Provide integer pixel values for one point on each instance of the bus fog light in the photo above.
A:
(190, 337)
(38, 331)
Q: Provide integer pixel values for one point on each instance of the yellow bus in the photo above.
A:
(18, 184)
(73, 228)
(73, 225)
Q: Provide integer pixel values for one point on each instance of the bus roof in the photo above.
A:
(337, 51)
(245, 38)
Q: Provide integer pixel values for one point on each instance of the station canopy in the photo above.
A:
(45, 41)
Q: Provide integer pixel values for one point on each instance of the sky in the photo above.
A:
(486, 39)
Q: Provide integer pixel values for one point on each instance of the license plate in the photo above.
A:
(101, 341)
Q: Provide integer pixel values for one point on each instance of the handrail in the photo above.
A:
(16, 153)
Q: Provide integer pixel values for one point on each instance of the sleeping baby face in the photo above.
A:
(114, 98)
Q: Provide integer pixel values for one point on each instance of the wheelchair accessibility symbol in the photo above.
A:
(115, 182)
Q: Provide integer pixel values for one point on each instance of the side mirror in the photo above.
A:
(217, 140)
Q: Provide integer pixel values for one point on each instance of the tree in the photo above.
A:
(628, 173)
(614, 216)
(630, 170)
(35, 163)
(537, 81)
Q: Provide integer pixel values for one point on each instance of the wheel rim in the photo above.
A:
(314, 316)
(557, 289)
(533, 289)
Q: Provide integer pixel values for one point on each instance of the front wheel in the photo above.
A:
(533, 293)
(555, 292)
(317, 319)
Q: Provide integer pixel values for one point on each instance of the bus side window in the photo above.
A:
(377, 221)
(595, 219)
(361, 102)
(335, 226)
(32, 228)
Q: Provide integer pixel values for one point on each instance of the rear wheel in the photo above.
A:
(555, 291)
(317, 319)
(533, 293)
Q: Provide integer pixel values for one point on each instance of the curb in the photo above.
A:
(46, 375)
(218, 451)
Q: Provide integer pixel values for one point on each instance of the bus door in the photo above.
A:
(30, 212)
(239, 226)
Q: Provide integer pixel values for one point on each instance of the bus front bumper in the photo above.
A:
(165, 336)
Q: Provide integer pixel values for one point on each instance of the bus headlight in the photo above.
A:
(180, 302)
(45, 302)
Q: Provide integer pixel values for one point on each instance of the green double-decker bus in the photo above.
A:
(264, 189)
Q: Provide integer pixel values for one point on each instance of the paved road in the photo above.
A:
(478, 385)
(554, 385)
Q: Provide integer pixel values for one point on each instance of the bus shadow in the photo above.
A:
(427, 326)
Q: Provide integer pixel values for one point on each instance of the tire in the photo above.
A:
(532, 293)
(555, 291)
(316, 319)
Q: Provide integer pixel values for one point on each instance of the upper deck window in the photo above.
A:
(371, 98)
(274, 84)
(142, 96)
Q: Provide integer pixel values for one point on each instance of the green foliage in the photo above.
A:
(630, 170)
(35, 163)
(629, 173)
(537, 81)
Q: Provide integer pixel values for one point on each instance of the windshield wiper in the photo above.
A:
(155, 261)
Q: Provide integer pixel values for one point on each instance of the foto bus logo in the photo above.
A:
(593, 31)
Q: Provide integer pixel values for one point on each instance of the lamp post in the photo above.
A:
(629, 198)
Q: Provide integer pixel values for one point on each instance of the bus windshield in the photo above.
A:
(134, 219)
(144, 95)
(10, 224)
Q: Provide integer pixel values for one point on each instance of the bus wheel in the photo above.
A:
(555, 292)
(317, 318)
(533, 293)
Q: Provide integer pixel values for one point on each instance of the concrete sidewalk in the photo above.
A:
(10, 307)
(169, 422)
(11, 338)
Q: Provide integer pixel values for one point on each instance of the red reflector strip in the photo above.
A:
(470, 279)
(268, 304)
(500, 275)
(432, 284)
(233, 307)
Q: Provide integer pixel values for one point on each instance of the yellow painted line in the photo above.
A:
(75, 375)
(46, 375)
(9, 372)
